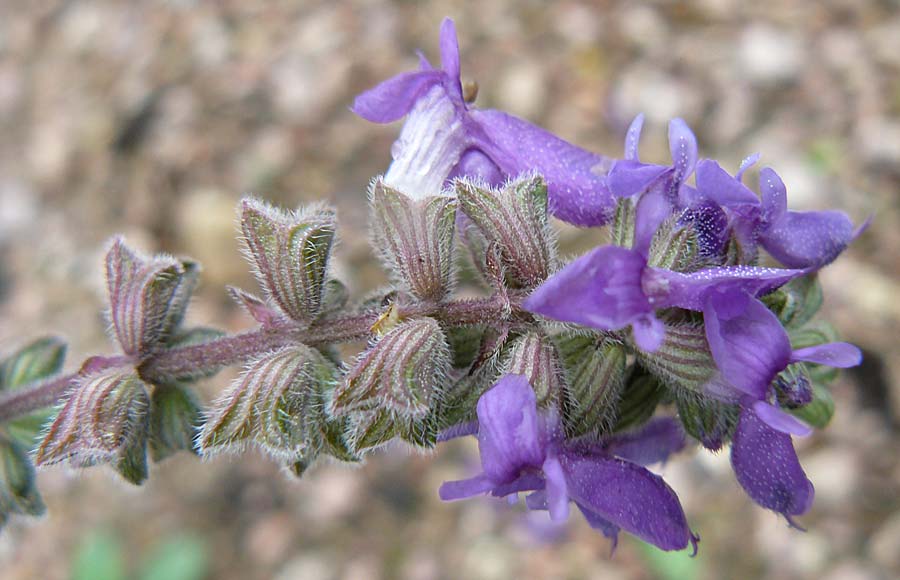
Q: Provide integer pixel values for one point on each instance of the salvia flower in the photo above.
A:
(611, 287)
(445, 137)
(797, 239)
(751, 348)
(523, 450)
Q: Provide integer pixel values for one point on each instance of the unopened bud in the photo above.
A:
(290, 252)
(277, 404)
(793, 386)
(535, 357)
(104, 420)
(515, 219)
(683, 360)
(709, 421)
(402, 373)
(595, 377)
(622, 231)
(147, 296)
(674, 247)
(796, 302)
(415, 239)
(818, 412)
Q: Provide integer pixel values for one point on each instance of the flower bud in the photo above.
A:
(277, 404)
(514, 218)
(290, 252)
(104, 420)
(709, 421)
(622, 231)
(147, 296)
(36, 361)
(374, 429)
(534, 356)
(174, 421)
(674, 247)
(595, 377)
(684, 360)
(818, 412)
(415, 239)
(401, 373)
(18, 492)
(796, 302)
(793, 387)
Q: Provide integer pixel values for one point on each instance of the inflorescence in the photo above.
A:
(574, 376)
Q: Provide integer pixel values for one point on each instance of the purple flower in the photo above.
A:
(810, 239)
(523, 450)
(444, 137)
(750, 348)
(611, 287)
(629, 177)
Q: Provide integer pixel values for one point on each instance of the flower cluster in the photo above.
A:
(694, 323)
(682, 287)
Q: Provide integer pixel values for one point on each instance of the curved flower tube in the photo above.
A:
(444, 137)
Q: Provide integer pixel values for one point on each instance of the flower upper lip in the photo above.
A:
(577, 192)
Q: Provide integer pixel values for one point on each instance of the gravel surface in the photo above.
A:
(152, 119)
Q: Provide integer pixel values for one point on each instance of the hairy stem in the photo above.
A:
(211, 356)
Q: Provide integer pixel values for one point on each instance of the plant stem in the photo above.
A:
(25, 400)
(208, 357)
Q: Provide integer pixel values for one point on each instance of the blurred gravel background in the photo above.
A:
(153, 118)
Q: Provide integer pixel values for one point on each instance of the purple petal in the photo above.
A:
(633, 138)
(394, 98)
(557, 495)
(601, 289)
(450, 53)
(779, 420)
(683, 148)
(577, 189)
(528, 481)
(809, 239)
(649, 332)
(629, 178)
(716, 184)
(746, 164)
(653, 443)
(749, 348)
(651, 211)
(711, 225)
(689, 290)
(466, 488)
(424, 65)
(842, 355)
(767, 467)
(774, 196)
(459, 430)
(628, 496)
(510, 433)
(474, 163)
